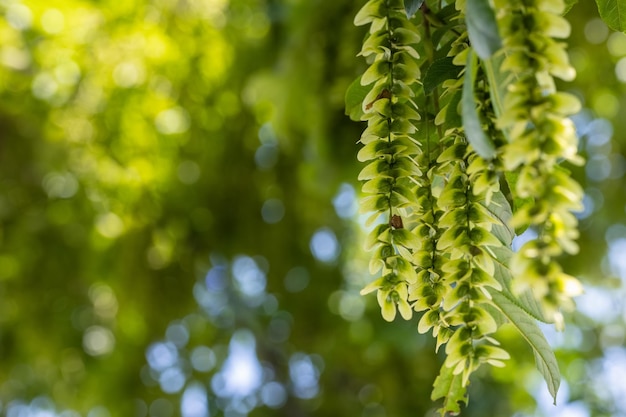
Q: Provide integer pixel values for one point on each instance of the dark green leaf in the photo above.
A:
(355, 94)
(482, 28)
(544, 356)
(453, 118)
(471, 120)
(613, 12)
(412, 6)
(440, 70)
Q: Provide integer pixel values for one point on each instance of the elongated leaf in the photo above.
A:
(449, 387)
(482, 28)
(498, 81)
(526, 325)
(355, 94)
(412, 6)
(613, 12)
(526, 301)
(501, 210)
(440, 70)
(471, 120)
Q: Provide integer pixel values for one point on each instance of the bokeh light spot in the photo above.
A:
(99, 411)
(617, 44)
(598, 168)
(273, 395)
(178, 334)
(273, 210)
(324, 245)
(161, 356)
(241, 374)
(172, 121)
(620, 70)
(60, 185)
(53, 21)
(161, 407)
(194, 402)
(98, 341)
(266, 156)
(605, 103)
(44, 86)
(202, 359)
(19, 16)
(596, 31)
(188, 172)
(250, 279)
(172, 380)
(129, 74)
(109, 225)
(304, 376)
(345, 201)
(297, 279)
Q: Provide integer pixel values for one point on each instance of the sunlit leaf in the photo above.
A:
(613, 12)
(544, 356)
(525, 300)
(449, 387)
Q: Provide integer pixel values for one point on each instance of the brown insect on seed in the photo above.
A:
(396, 222)
(383, 94)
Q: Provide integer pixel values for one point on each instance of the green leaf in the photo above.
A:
(355, 94)
(500, 209)
(411, 7)
(482, 28)
(439, 71)
(449, 387)
(453, 118)
(568, 5)
(471, 120)
(498, 83)
(526, 301)
(613, 12)
(544, 356)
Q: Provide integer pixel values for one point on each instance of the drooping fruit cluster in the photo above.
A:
(465, 134)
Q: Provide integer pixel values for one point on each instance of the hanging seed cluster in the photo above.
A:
(459, 153)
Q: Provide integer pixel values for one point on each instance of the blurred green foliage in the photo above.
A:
(176, 185)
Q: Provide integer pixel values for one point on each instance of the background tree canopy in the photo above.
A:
(179, 233)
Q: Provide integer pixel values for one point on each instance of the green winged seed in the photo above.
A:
(371, 10)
